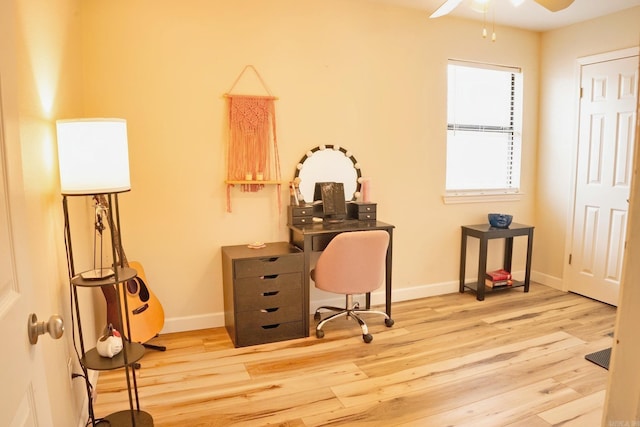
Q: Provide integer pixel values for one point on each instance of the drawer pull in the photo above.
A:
(274, 259)
(270, 310)
(275, 325)
(269, 277)
(270, 294)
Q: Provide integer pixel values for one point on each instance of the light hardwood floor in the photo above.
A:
(514, 359)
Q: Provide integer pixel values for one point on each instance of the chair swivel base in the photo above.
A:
(352, 312)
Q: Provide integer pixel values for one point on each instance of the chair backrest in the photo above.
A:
(353, 262)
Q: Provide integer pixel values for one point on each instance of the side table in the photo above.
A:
(484, 232)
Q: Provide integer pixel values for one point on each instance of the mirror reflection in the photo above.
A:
(328, 163)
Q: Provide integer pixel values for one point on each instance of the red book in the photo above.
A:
(498, 275)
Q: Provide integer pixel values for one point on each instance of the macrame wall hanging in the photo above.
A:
(253, 159)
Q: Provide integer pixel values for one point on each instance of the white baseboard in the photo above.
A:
(215, 320)
(547, 280)
(192, 323)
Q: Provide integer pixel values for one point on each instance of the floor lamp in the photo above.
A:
(94, 161)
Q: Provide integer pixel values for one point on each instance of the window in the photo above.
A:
(484, 129)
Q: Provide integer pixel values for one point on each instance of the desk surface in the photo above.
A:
(337, 227)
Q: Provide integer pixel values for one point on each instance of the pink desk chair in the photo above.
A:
(353, 263)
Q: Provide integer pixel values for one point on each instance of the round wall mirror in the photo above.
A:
(328, 163)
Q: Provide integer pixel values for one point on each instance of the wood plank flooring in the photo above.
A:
(514, 359)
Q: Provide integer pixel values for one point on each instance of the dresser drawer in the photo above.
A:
(266, 317)
(256, 267)
(256, 294)
(270, 333)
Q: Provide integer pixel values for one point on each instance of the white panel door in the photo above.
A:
(24, 400)
(605, 156)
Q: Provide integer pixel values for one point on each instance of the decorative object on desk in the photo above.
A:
(366, 190)
(252, 122)
(293, 197)
(328, 163)
(146, 314)
(256, 245)
(334, 207)
(110, 343)
(499, 220)
(296, 188)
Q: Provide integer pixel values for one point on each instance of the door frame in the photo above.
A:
(581, 62)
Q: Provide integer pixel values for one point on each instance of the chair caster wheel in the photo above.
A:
(389, 322)
(367, 338)
(319, 333)
(316, 316)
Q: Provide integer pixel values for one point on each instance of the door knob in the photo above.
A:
(55, 327)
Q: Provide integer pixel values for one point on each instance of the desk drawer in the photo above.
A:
(320, 242)
(297, 211)
(362, 211)
(300, 215)
(257, 267)
(301, 220)
(270, 333)
(365, 216)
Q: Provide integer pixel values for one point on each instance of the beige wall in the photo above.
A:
(558, 128)
(362, 75)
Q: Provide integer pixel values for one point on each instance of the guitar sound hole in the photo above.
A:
(132, 286)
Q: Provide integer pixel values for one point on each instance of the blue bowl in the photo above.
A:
(500, 220)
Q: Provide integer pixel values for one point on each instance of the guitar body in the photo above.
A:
(146, 315)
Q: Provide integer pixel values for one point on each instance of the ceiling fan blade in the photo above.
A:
(554, 5)
(446, 7)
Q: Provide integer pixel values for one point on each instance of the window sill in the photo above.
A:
(454, 198)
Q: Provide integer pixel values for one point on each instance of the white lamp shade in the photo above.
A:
(93, 156)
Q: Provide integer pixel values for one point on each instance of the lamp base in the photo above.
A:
(97, 274)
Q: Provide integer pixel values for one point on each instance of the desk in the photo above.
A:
(315, 237)
(484, 232)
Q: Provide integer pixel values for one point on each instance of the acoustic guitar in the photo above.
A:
(146, 315)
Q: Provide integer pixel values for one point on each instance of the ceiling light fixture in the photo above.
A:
(480, 6)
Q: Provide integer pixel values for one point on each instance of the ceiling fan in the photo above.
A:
(449, 5)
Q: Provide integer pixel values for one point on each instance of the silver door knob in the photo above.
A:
(55, 327)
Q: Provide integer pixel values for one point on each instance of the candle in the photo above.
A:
(248, 176)
(366, 190)
(259, 176)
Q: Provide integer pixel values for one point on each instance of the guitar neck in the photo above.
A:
(103, 203)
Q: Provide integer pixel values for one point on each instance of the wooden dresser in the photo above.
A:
(263, 295)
